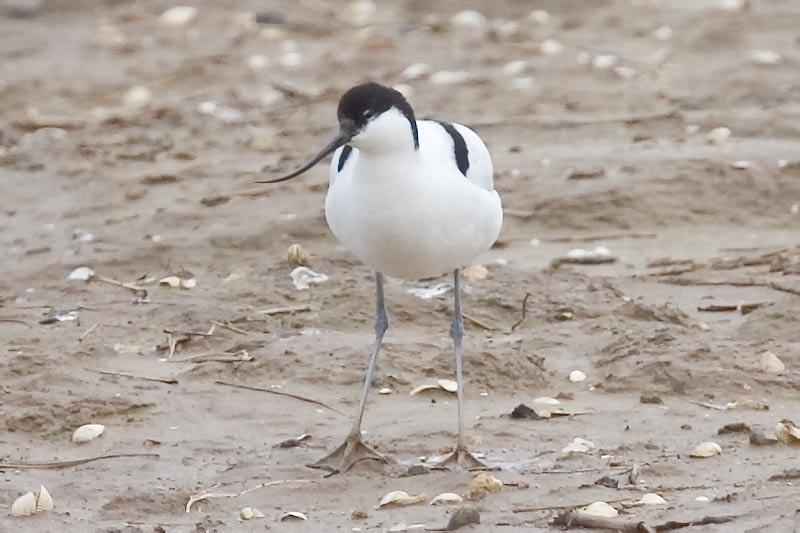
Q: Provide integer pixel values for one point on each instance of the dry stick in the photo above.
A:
(518, 213)
(75, 462)
(129, 286)
(283, 310)
(227, 325)
(562, 507)
(706, 520)
(708, 405)
(595, 238)
(574, 519)
(168, 381)
(524, 312)
(87, 332)
(209, 495)
(279, 393)
(239, 357)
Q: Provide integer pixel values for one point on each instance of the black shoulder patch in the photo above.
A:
(346, 150)
(459, 146)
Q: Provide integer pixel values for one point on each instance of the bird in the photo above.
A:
(411, 199)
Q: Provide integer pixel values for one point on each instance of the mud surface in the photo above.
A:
(585, 156)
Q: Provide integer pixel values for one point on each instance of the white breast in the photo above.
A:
(414, 214)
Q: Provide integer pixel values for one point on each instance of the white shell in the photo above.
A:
(605, 61)
(178, 15)
(702, 499)
(296, 255)
(87, 433)
(83, 273)
(422, 388)
(293, 515)
(416, 71)
(600, 509)
(539, 16)
(448, 384)
(448, 77)
(578, 445)
(706, 449)
(44, 502)
(469, 20)
(475, 273)
(546, 400)
(248, 513)
(551, 47)
(652, 498)
(137, 96)
(385, 390)
(576, 376)
(400, 497)
(303, 277)
(170, 281)
(24, 505)
(446, 498)
(483, 484)
(771, 363)
(765, 57)
(718, 135)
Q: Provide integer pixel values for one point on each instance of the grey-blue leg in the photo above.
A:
(461, 455)
(353, 449)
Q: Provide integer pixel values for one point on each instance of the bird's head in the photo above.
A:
(374, 119)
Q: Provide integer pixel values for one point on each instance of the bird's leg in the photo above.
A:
(353, 449)
(461, 455)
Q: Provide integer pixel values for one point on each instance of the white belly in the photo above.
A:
(405, 224)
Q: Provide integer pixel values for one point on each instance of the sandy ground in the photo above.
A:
(162, 181)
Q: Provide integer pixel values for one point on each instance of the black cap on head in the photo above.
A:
(365, 101)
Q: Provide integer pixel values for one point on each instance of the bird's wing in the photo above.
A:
(468, 151)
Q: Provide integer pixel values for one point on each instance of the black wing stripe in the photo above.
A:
(343, 157)
(459, 146)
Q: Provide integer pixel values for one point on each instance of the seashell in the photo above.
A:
(521, 84)
(257, 61)
(298, 256)
(576, 376)
(178, 16)
(25, 505)
(87, 432)
(787, 432)
(385, 390)
(652, 498)
(137, 96)
(475, 273)
(742, 164)
(422, 388)
(702, 499)
(83, 273)
(483, 484)
(577, 446)
(626, 73)
(303, 277)
(605, 61)
(446, 498)
(248, 513)
(170, 281)
(44, 502)
(448, 384)
(416, 71)
(718, 135)
(293, 515)
(600, 509)
(539, 16)
(551, 47)
(471, 20)
(188, 283)
(546, 400)
(401, 498)
(706, 449)
(771, 364)
(447, 77)
(765, 57)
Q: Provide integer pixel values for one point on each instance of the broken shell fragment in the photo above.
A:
(765, 57)
(446, 498)
(551, 47)
(401, 498)
(25, 505)
(385, 390)
(303, 277)
(787, 432)
(483, 484)
(577, 446)
(599, 509)
(293, 515)
(248, 513)
(463, 516)
(475, 273)
(448, 384)
(718, 135)
(83, 273)
(87, 433)
(298, 256)
(706, 449)
(771, 363)
(546, 400)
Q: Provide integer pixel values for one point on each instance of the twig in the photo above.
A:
(595, 238)
(208, 495)
(524, 312)
(560, 507)
(87, 332)
(574, 519)
(13, 321)
(168, 381)
(518, 213)
(279, 393)
(706, 520)
(240, 357)
(478, 322)
(283, 310)
(714, 308)
(588, 260)
(208, 333)
(227, 325)
(74, 462)
(141, 292)
(708, 405)
(783, 288)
